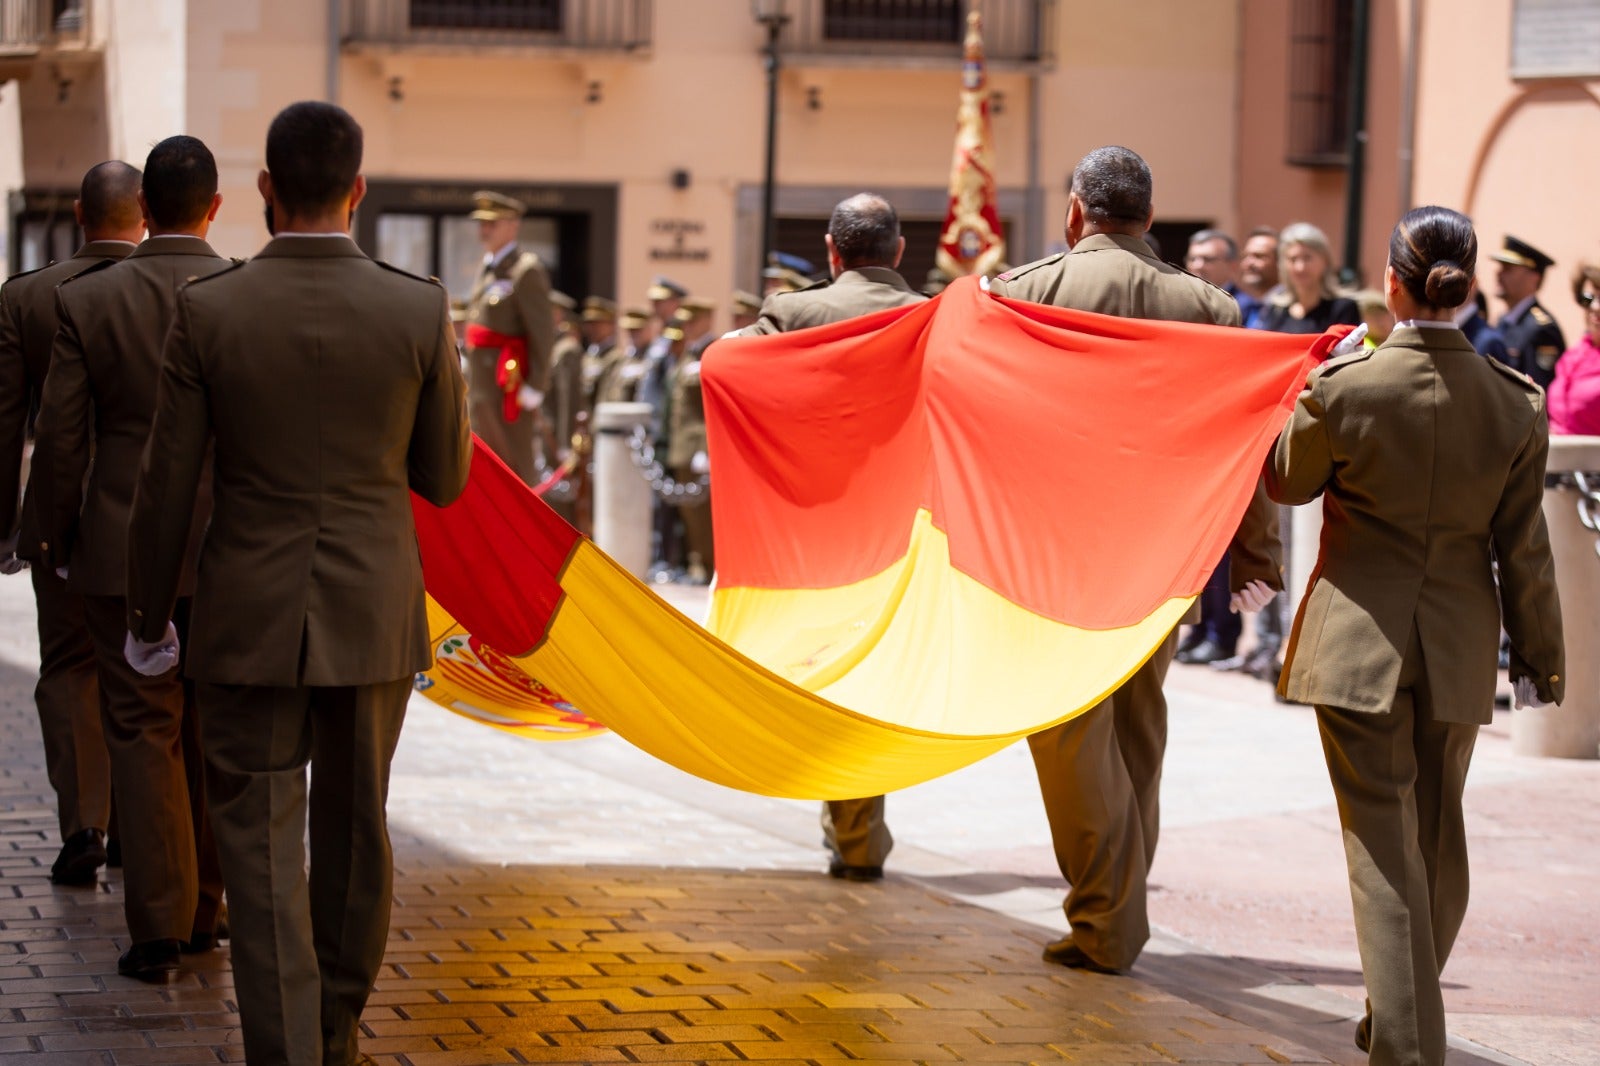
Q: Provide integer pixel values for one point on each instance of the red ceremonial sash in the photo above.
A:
(508, 370)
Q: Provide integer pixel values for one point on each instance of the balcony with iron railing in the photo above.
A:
(1017, 34)
(476, 25)
(30, 27)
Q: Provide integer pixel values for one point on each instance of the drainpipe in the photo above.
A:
(1033, 202)
(1356, 178)
(1408, 109)
(335, 29)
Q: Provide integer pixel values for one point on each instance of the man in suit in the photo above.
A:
(331, 388)
(68, 692)
(99, 399)
(510, 328)
(1101, 772)
(864, 248)
(1532, 336)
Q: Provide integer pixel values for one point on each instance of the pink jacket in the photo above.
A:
(1574, 396)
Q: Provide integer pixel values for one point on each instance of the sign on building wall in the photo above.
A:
(1555, 39)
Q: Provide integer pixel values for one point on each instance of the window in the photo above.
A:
(542, 16)
(446, 246)
(1320, 41)
(892, 20)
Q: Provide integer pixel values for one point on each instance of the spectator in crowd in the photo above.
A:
(1532, 335)
(1308, 302)
(1258, 274)
(746, 309)
(1430, 460)
(1214, 256)
(1574, 398)
(1376, 315)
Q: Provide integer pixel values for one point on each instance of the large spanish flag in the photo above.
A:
(939, 528)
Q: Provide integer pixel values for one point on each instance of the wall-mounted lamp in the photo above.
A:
(997, 102)
(397, 89)
(63, 85)
(814, 97)
(592, 96)
(680, 178)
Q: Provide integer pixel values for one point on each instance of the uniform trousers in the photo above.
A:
(172, 882)
(68, 700)
(696, 518)
(511, 441)
(306, 950)
(855, 831)
(1398, 778)
(1100, 775)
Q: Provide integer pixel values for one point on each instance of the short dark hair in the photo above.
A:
(1114, 186)
(180, 180)
(1433, 252)
(108, 196)
(1263, 231)
(313, 155)
(1205, 236)
(865, 231)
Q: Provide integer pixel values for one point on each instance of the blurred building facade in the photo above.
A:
(635, 129)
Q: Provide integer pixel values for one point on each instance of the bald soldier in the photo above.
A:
(1100, 773)
(68, 691)
(510, 330)
(864, 248)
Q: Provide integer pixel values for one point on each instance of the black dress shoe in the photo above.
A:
(1206, 651)
(845, 872)
(113, 853)
(81, 856)
(1065, 952)
(155, 961)
(1263, 663)
(1192, 639)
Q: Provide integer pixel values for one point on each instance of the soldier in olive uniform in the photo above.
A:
(686, 455)
(68, 691)
(564, 398)
(597, 325)
(510, 329)
(1532, 336)
(746, 309)
(625, 367)
(1100, 773)
(864, 248)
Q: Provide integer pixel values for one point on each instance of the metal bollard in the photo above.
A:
(1572, 730)
(622, 498)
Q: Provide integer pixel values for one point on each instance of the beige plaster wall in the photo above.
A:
(1519, 157)
(1272, 192)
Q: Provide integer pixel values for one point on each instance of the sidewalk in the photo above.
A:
(581, 902)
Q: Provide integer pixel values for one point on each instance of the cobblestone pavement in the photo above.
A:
(580, 902)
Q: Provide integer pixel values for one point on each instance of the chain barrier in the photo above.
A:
(696, 493)
(1587, 485)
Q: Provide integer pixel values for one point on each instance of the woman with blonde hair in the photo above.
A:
(1430, 460)
(1307, 302)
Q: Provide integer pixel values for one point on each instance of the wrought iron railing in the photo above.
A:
(1015, 32)
(599, 25)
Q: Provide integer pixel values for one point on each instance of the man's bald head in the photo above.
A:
(865, 231)
(108, 199)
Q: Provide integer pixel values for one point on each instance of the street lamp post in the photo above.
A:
(770, 13)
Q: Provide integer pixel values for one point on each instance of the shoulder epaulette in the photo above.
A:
(1540, 315)
(813, 287)
(233, 265)
(1360, 355)
(1017, 272)
(98, 265)
(1514, 374)
(407, 274)
(26, 273)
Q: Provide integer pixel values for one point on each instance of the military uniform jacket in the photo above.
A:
(854, 292)
(1430, 461)
(1114, 274)
(686, 421)
(27, 330)
(332, 388)
(1535, 342)
(564, 398)
(101, 393)
(513, 297)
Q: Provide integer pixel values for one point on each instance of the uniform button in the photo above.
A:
(1555, 679)
(138, 613)
(44, 545)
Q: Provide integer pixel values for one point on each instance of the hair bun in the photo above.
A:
(1448, 284)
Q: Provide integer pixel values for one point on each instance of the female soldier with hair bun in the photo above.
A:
(1430, 460)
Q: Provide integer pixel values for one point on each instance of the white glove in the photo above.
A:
(1524, 695)
(152, 660)
(1250, 599)
(1351, 343)
(529, 398)
(700, 463)
(9, 563)
(61, 572)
